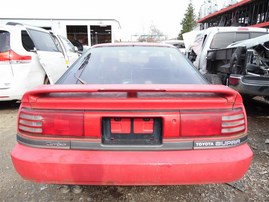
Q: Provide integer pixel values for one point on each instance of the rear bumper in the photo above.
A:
(250, 85)
(8, 94)
(131, 167)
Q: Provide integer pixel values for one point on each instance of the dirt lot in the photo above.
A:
(253, 187)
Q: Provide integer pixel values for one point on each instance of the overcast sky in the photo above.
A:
(135, 17)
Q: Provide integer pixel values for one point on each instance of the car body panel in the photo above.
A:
(203, 42)
(136, 133)
(132, 167)
(53, 66)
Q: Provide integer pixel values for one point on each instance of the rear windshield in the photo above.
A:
(223, 39)
(4, 41)
(133, 65)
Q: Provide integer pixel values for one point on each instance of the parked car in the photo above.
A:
(132, 114)
(244, 66)
(177, 43)
(215, 38)
(31, 56)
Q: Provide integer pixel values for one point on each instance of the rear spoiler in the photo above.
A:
(132, 89)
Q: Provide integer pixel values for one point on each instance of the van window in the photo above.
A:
(43, 41)
(4, 41)
(222, 39)
(241, 36)
(27, 42)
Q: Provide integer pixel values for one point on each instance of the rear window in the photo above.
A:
(4, 41)
(133, 65)
(223, 39)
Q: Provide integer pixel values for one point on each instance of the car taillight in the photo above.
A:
(51, 122)
(212, 123)
(13, 57)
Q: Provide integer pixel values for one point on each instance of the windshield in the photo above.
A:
(133, 65)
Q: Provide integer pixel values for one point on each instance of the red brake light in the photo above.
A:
(242, 29)
(13, 57)
(4, 56)
(212, 123)
(54, 123)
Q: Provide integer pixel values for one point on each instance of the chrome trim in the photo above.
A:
(50, 144)
(219, 143)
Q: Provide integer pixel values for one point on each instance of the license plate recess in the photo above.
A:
(131, 131)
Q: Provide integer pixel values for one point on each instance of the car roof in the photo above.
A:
(133, 44)
(232, 29)
(16, 26)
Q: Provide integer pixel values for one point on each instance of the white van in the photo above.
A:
(216, 38)
(31, 56)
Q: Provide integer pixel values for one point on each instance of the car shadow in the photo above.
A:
(256, 107)
(9, 105)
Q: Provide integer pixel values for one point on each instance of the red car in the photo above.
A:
(132, 114)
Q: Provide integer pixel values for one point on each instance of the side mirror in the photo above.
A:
(78, 45)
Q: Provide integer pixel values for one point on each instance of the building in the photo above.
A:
(253, 13)
(87, 31)
(208, 7)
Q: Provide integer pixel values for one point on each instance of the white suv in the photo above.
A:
(31, 56)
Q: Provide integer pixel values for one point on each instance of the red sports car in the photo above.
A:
(132, 114)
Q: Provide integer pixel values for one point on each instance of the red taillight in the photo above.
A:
(13, 57)
(207, 123)
(242, 29)
(51, 122)
(4, 56)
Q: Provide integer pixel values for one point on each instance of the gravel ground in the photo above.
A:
(254, 186)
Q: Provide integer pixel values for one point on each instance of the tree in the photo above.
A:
(189, 21)
(155, 35)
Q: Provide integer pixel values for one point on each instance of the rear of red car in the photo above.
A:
(146, 134)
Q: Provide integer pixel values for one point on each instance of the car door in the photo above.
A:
(70, 49)
(50, 57)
